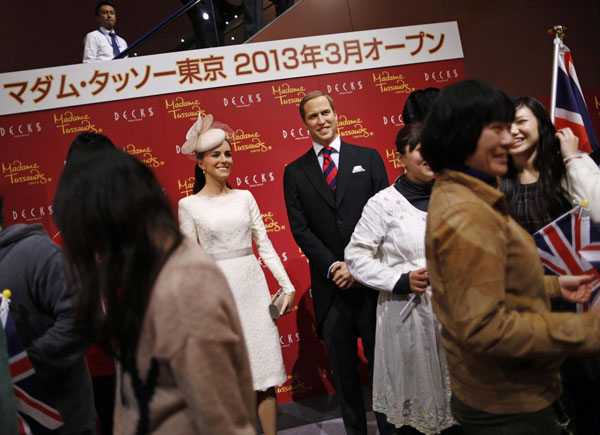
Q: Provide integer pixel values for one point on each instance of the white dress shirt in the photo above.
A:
(97, 46)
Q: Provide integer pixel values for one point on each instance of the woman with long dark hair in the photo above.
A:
(547, 177)
(183, 366)
(226, 222)
(547, 174)
(387, 253)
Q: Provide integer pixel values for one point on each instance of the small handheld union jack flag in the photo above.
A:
(35, 414)
(570, 245)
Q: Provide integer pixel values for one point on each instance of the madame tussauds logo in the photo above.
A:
(392, 157)
(271, 224)
(24, 173)
(69, 122)
(296, 386)
(183, 109)
(186, 186)
(352, 127)
(145, 155)
(242, 141)
(287, 94)
(21, 130)
(395, 83)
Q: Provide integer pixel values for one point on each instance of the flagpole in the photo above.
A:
(559, 33)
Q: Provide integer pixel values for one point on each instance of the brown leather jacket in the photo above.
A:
(503, 345)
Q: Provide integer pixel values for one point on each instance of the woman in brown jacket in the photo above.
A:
(503, 345)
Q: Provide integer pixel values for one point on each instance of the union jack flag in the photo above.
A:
(571, 110)
(571, 246)
(35, 415)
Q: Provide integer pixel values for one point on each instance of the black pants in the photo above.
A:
(476, 422)
(104, 401)
(352, 315)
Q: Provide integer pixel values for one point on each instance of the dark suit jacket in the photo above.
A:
(322, 222)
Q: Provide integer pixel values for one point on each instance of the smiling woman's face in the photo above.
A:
(525, 131)
(217, 163)
(491, 155)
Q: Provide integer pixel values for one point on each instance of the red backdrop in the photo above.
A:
(268, 134)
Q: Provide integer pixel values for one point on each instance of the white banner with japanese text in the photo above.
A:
(75, 85)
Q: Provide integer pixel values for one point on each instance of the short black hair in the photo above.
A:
(408, 137)
(417, 104)
(457, 117)
(103, 3)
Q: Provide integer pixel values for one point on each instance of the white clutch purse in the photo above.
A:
(276, 303)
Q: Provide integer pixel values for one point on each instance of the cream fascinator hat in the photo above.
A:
(205, 135)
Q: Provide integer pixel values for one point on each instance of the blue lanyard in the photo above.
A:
(107, 36)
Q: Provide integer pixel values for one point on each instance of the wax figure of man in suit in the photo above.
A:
(323, 207)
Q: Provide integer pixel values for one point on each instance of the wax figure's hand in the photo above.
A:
(576, 289)
(341, 276)
(419, 280)
(288, 303)
(569, 143)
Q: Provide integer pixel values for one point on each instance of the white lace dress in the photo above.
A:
(225, 226)
(411, 385)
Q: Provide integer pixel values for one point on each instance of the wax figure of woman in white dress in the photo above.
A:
(225, 222)
(387, 253)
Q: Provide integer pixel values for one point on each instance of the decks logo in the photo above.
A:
(69, 123)
(345, 87)
(282, 256)
(21, 130)
(33, 213)
(181, 108)
(186, 186)
(135, 115)
(18, 172)
(287, 94)
(251, 142)
(146, 155)
(289, 339)
(242, 100)
(352, 127)
(395, 83)
(296, 133)
(393, 120)
(255, 180)
(441, 76)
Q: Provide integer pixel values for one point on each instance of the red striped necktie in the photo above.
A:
(329, 169)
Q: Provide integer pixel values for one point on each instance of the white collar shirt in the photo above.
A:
(335, 154)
